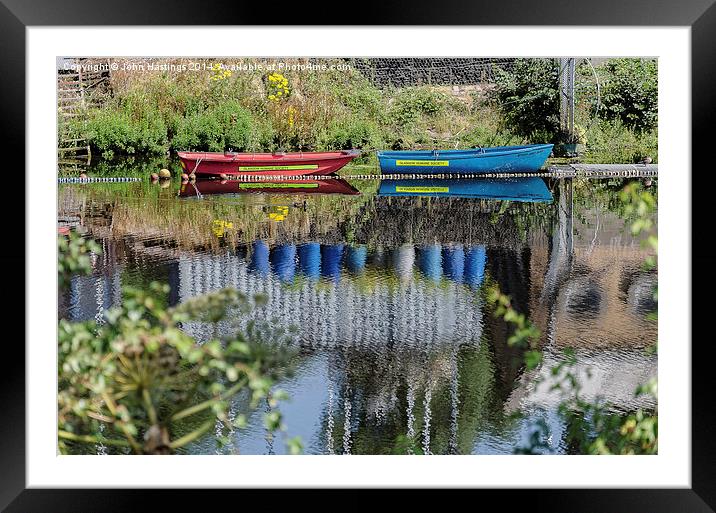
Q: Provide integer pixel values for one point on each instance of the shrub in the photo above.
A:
(227, 125)
(611, 141)
(354, 133)
(138, 383)
(630, 93)
(528, 98)
(119, 132)
(413, 102)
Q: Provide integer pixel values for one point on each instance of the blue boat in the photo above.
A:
(499, 159)
(529, 188)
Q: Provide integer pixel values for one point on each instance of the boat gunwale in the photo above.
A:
(497, 151)
(208, 156)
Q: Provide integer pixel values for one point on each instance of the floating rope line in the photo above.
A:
(593, 171)
(103, 179)
(561, 173)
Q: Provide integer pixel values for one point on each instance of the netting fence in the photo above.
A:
(413, 71)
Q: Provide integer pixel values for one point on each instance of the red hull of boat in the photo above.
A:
(296, 186)
(260, 164)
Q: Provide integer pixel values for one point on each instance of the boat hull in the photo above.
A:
(500, 159)
(263, 164)
(289, 187)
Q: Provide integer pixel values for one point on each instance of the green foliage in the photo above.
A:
(227, 125)
(613, 142)
(593, 427)
(74, 256)
(117, 132)
(406, 445)
(413, 102)
(630, 93)
(528, 98)
(526, 335)
(482, 135)
(138, 383)
(640, 205)
(144, 378)
(353, 133)
(362, 99)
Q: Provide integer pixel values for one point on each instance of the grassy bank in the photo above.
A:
(152, 114)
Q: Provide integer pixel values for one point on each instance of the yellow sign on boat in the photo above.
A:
(296, 167)
(268, 185)
(402, 188)
(423, 163)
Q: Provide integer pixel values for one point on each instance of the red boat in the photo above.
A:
(295, 186)
(253, 164)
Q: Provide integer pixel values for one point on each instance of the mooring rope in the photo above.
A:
(553, 173)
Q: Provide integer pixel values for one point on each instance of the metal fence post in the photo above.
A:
(566, 95)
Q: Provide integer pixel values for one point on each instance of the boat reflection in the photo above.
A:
(289, 186)
(530, 189)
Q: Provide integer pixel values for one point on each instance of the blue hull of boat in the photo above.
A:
(499, 159)
(529, 189)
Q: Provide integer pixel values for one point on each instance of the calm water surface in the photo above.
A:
(385, 285)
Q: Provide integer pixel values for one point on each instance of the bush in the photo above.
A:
(611, 141)
(528, 98)
(413, 102)
(630, 93)
(354, 133)
(111, 131)
(138, 383)
(227, 125)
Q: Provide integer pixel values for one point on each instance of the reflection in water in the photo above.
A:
(294, 186)
(530, 189)
(399, 353)
(431, 261)
(356, 258)
(309, 259)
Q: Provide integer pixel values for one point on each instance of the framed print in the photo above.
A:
(432, 247)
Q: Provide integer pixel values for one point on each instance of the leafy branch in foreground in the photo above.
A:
(141, 384)
(593, 426)
(74, 251)
(526, 335)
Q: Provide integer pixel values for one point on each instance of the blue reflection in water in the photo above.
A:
(429, 261)
(356, 257)
(309, 259)
(475, 260)
(283, 260)
(260, 258)
(331, 256)
(454, 263)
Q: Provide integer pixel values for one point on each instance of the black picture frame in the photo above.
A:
(700, 15)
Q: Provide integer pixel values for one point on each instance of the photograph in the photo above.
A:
(357, 255)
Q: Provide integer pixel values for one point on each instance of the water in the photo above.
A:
(385, 283)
